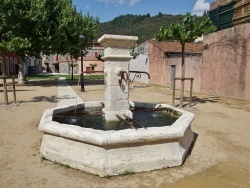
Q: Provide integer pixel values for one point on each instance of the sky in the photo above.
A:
(107, 10)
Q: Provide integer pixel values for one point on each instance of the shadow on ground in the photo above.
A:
(86, 82)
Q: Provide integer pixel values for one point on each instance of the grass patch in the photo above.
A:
(42, 158)
(68, 77)
(127, 173)
(108, 177)
(58, 163)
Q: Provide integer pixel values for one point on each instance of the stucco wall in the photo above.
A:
(141, 63)
(158, 66)
(226, 63)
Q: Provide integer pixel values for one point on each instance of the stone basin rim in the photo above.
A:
(115, 137)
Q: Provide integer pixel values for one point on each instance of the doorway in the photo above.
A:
(172, 76)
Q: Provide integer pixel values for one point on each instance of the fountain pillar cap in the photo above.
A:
(117, 47)
(107, 40)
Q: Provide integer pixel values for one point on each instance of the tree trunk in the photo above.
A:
(72, 71)
(2, 63)
(182, 74)
(21, 77)
(6, 101)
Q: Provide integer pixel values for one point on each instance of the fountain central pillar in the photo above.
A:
(116, 61)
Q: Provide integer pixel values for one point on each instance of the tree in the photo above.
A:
(187, 31)
(72, 65)
(13, 24)
(36, 27)
(160, 14)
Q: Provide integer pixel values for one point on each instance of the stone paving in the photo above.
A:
(66, 94)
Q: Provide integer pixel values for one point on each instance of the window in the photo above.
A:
(6, 66)
(6, 60)
(11, 64)
(35, 64)
(27, 60)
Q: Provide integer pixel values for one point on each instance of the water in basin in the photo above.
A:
(93, 118)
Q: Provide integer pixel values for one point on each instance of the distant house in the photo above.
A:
(11, 62)
(162, 60)
(61, 63)
(91, 61)
(32, 65)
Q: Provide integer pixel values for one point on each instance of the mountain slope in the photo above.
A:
(142, 26)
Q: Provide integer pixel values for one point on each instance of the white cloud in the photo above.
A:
(116, 2)
(200, 6)
(121, 2)
(87, 7)
(133, 2)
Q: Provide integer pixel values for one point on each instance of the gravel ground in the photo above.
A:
(219, 157)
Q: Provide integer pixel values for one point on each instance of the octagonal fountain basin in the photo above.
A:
(108, 151)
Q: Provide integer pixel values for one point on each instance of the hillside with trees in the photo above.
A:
(143, 26)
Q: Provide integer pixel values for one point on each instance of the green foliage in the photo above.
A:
(142, 26)
(59, 26)
(72, 65)
(93, 65)
(99, 57)
(187, 31)
(133, 52)
(29, 27)
(127, 20)
(13, 26)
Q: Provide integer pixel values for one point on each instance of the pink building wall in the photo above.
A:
(158, 66)
(226, 63)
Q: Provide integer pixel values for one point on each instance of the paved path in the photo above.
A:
(66, 95)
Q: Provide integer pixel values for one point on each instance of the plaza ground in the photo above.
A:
(219, 157)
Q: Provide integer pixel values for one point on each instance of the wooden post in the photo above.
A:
(6, 102)
(14, 88)
(182, 74)
(173, 93)
(191, 92)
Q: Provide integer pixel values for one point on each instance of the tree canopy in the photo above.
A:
(186, 31)
(35, 27)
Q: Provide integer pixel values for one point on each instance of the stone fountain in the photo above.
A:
(113, 152)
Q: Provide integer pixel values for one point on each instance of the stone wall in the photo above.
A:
(226, 63)
(64, 68)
